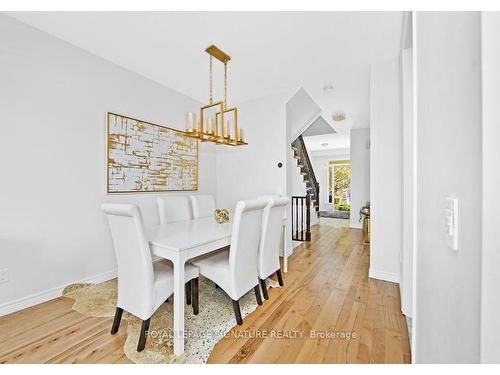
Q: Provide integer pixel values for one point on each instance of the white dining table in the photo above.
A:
(179, 242)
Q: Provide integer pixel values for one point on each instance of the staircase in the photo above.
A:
(306, 170)
(301, 204)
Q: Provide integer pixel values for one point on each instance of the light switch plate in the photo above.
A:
(4, 275)
(451, 220)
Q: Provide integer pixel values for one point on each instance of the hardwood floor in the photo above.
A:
(327, 290)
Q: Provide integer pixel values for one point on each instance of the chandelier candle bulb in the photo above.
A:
(190, 122)
(226, 129)
(211, 126)
(240, 135)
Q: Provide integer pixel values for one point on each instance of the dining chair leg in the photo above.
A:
(117, 320)
(188, 292)
(264, 288)
(237, 312)
(280, 277)
(195, 297)
(256, 289)
(142, 337)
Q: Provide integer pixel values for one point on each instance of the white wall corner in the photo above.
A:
(382, 275)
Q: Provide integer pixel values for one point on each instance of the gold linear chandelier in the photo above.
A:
(217, 122)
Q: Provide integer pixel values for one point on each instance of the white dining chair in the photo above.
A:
(142, 285)
(174, 208)
(235, 270)
(203, 205)
(270, 239)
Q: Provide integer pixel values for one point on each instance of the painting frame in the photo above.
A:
(149, 123)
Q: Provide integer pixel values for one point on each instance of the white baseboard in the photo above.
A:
(356, 226)
(47, 295)
(386, 276)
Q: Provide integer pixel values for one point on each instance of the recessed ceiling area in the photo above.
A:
(318, 127)
(327, 142)
(270, 51)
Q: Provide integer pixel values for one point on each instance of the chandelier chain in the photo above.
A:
(210, 81)
(225, 85)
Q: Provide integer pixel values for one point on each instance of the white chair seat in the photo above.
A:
(163, 283)
(215, 267)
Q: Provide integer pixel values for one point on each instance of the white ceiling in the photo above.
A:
(270, 50)
(333, 141)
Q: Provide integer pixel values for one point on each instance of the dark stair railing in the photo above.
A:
(301, 228)
(301, 218)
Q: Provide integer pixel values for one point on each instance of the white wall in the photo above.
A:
(385, 170)
(53, 102)
(490, 306)
(320, 161)
(249, 171)
(360, 173)
(449, 164)
(406, 266)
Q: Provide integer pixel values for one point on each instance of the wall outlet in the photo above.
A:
(4, 275)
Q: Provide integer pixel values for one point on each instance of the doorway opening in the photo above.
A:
(339, 185)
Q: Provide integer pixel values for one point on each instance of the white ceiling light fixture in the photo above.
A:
(328, 88)
(338, 117)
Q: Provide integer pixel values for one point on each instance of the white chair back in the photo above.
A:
(203, 205)
(245, 246)
(174, 208)
(270, 236)
(133, 257)
(276, 196)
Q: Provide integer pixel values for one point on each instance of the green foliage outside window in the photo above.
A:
(341, 185)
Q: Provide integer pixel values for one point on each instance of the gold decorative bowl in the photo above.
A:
(221, 216)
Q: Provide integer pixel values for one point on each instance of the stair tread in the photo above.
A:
(300, 154)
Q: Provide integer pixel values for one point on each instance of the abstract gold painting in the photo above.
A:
(145, 157)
